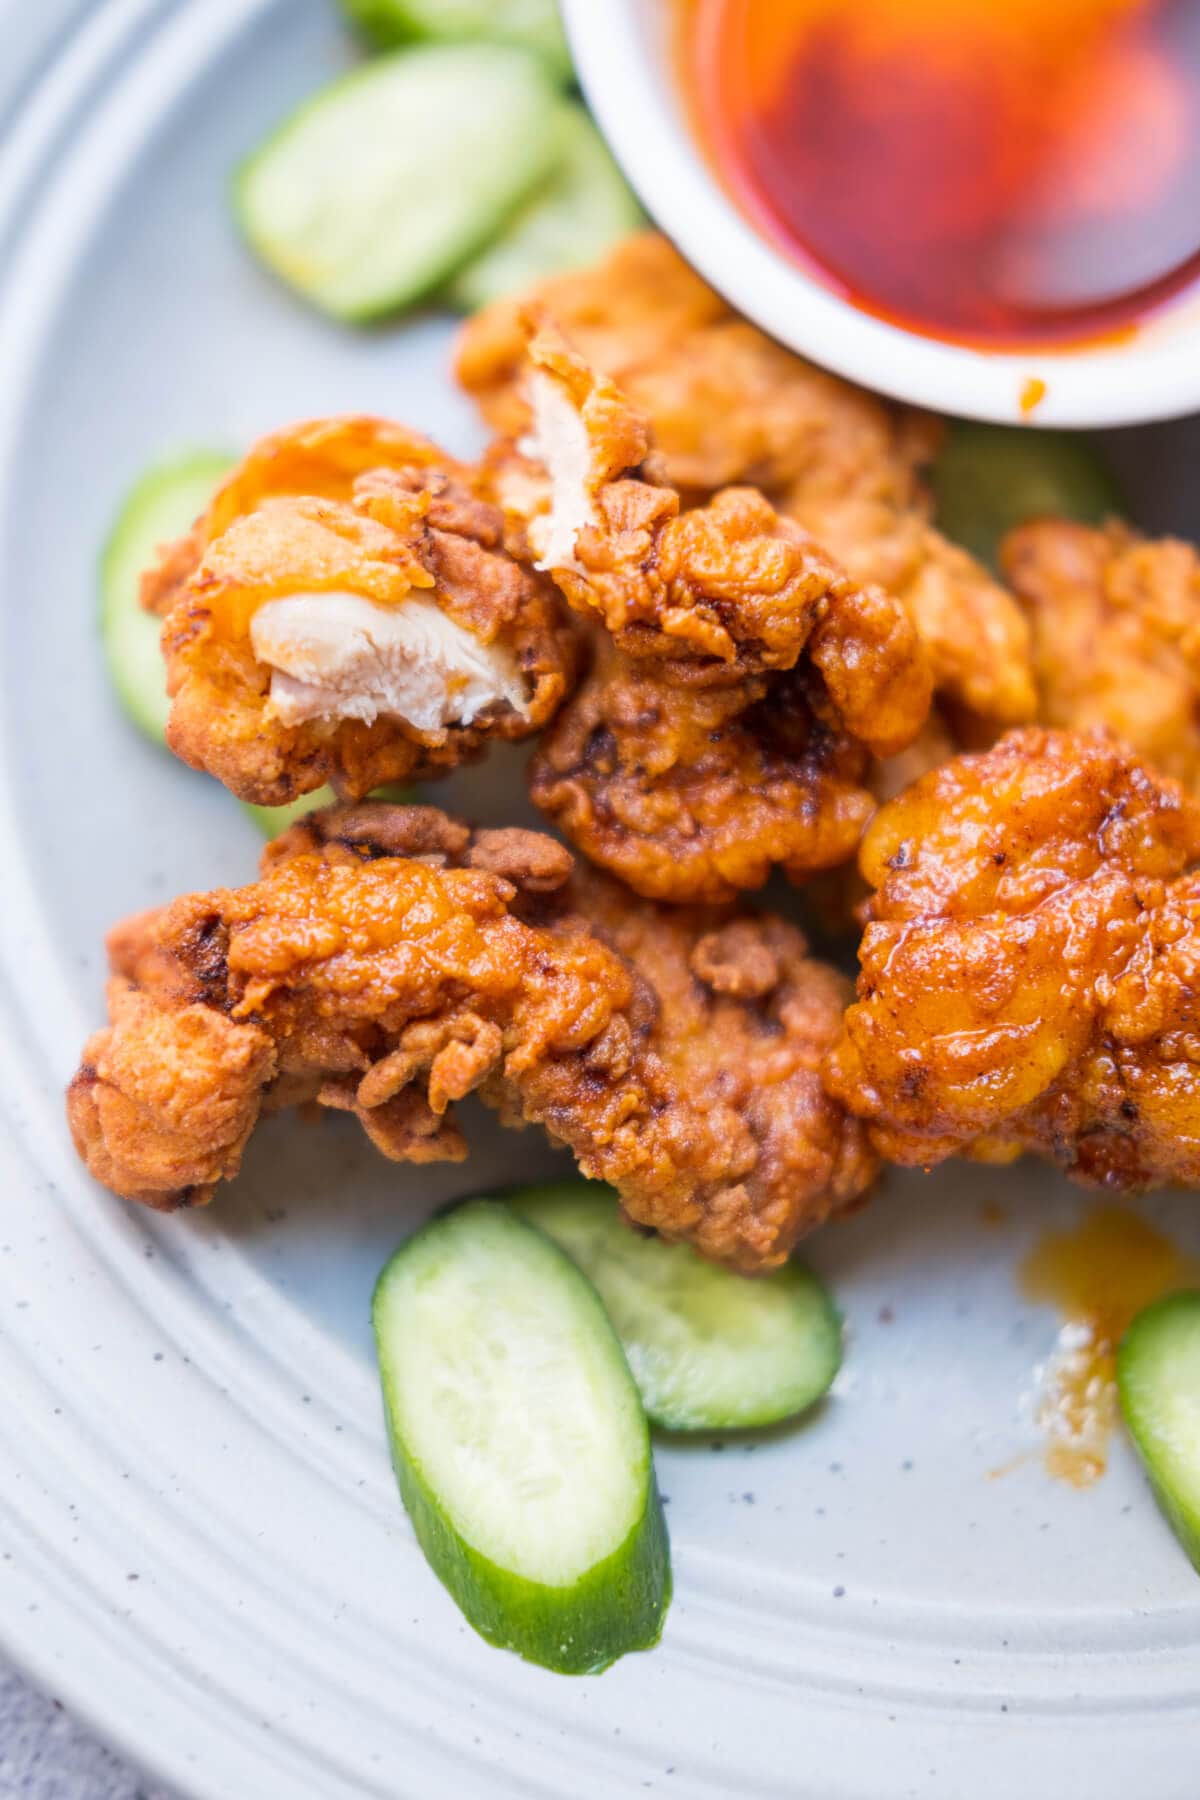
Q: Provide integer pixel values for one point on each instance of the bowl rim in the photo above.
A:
(1117, 383)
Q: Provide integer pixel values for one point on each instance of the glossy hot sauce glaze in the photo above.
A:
(1000, 172)
(1099, 1275)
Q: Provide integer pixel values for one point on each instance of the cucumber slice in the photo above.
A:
(272, 821)
(163, 505)
(1158, 1378)
(986, 479)
(570, 221)
(708, 1349)
(374, 192)
(520, 1445)
(532, 24)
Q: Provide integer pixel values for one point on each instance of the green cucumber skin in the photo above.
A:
(988, 479)
(618, 1606)
(434, 273)
(388, 23)
(671, 1414)
(1166, 1314)
(127, 553)
(381, 22)
(273, 821)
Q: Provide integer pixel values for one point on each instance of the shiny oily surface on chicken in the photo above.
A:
(346, 612)
(1030, 966)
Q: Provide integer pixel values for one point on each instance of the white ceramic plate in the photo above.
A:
(201, 1548)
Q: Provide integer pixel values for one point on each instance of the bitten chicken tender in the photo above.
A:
(729, 406)
(1116, 635)
(389, 962)
(740, 681)
(1030, 976)
(346, 612)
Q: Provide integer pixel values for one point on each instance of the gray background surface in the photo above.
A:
(45, 1755)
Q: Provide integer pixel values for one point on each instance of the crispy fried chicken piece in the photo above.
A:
(729, 406)
(740, 682)
(694, 793)
(1030, 976)
(1116, 635)
(346, 612)
(389, 962)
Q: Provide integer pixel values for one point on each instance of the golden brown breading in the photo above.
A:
(695, 793)
(1030, 976)
(740, 682)
(389, 962)
(729, 406)
(1116, 635)
(361, 508)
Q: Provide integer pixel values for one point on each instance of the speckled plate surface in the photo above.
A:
(202, 1549)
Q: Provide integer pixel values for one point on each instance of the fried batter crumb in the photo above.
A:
(389, 962)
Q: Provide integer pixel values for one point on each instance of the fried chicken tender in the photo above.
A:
(1116, 635)
(740, 681)
(389, 962)
(1030, 976)
(346, 612)
(696, 793)
(728, 406)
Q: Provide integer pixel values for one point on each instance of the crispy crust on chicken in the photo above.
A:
(360, 529)
(740, 682)
(1031, 969)
(1116, 635)
(728, 406)
(389, 962)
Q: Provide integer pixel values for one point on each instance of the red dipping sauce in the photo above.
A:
(999, 172)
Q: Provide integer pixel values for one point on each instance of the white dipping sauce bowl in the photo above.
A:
(624, 56)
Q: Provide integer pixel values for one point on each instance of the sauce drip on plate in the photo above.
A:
(1001, 172)
(1099, 1275)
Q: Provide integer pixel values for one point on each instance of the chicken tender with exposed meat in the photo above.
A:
(1116, 635)
(1030, 972)
(389, 962)
(346, 612)
(740, 682)
(728, 406)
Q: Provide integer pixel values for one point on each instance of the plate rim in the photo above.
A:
(31, 1089)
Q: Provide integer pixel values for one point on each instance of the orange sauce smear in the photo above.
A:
(1007, 173)
(1099, 1275)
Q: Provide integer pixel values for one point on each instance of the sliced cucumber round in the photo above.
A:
(571, 220)
(986, 479)
(532, 24)
(1158, 1379)
(165, 503)
(380, 187)
(519, 1442)
(708, 1349)
(272, 821)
